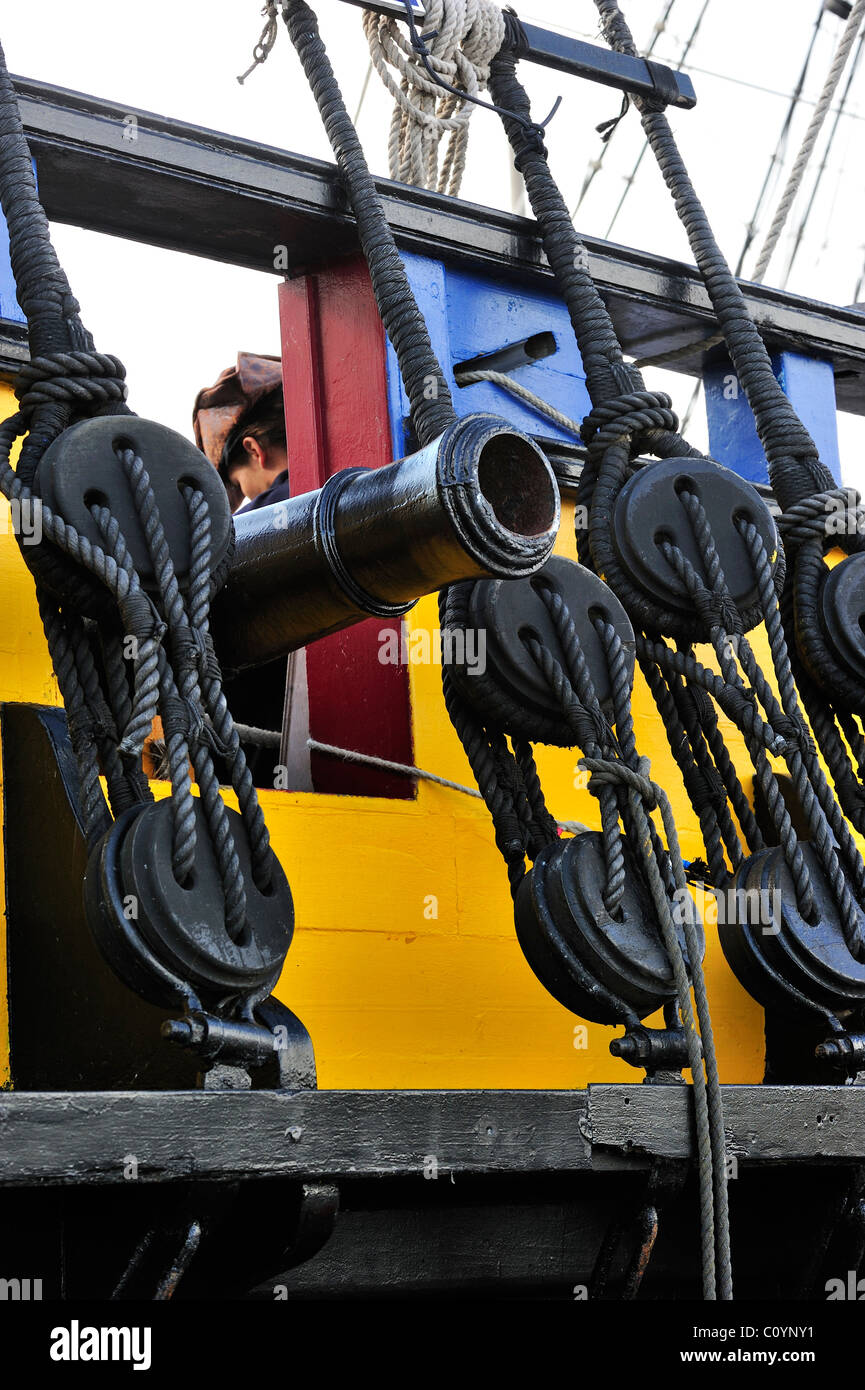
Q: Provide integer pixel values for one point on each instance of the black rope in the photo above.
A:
(111, 699)
(428, 392)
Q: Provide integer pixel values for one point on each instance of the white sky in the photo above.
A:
(177, 320)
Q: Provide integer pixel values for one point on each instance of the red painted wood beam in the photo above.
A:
(333, 365)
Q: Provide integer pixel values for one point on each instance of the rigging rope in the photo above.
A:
(507, 776)
(629, 181)
(794, 464)
(779, 147)
(666, 358)
(804, 487)
(615, 431)
(797, 173)
(595, 165)
(627, 420)
(522, 393)
(90, 596)
(840, 111)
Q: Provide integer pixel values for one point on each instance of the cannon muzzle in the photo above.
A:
(480, 501)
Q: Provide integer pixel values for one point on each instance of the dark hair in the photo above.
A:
(264, 422)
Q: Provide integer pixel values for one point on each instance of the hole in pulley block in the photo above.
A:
(685, 483)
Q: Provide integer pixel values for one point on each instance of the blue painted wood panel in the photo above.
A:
(473, 315)
(733, 441)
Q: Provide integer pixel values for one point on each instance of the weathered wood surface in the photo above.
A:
(65, 1137)
(110, 1136)
(763, 1123)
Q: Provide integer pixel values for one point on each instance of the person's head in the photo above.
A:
(255, 452)
(239, 423)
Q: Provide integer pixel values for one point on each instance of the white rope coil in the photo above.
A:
(464, 37)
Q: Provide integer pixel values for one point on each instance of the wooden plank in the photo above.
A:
(335, 390)
(65, 1137)
(763, 1123)
(105, 1137)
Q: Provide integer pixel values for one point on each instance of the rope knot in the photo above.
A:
(84, 381)
(267, 39)
(191, 652)
(834, 512)
(609, 772)
(182, 718)
(627, 419)
(705, 788)
(795, 735)
(717, 611)
(141, 617)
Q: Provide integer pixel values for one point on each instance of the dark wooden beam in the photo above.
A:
(138, 175)
(69, 1137)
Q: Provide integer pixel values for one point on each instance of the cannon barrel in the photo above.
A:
(481, 500)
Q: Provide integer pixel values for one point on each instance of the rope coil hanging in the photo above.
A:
(464, 37)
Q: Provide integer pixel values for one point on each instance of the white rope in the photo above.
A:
(402, 769)
(269, 738)
(797, 173)
(468, 35)
(576, 827)
(516, 388)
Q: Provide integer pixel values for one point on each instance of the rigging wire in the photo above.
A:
(629, 182)
(800, 231)
(595, 164)
(797, 173)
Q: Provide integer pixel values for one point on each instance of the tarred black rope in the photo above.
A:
(108, 715)
(794, 463)
(44, 294)
(428, 392)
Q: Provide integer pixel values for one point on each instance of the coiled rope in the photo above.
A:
(464, 37)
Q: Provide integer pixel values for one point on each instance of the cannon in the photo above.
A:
(479, 501)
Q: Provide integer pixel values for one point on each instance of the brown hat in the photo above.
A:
(220, 408)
